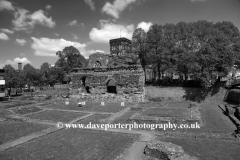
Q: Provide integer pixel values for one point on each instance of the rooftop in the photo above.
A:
(120, 39)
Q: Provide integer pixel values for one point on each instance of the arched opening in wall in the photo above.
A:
(97, 64)
(111, 86)
(84, 84)
(88, 89)
(83, 81)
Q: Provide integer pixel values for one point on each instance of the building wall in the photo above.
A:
(120, 47)
(129, 83)
(100, 58)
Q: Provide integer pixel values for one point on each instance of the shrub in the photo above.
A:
(156, 99)
(191, 83)
(234, 95)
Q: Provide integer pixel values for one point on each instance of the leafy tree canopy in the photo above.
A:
(70, 58)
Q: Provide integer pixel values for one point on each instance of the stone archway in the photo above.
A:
(97, 64)
(112, 86)
(85, 86)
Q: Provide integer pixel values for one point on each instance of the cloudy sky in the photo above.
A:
(32, 31)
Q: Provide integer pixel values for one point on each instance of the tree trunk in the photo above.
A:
(159, 71)
(144, 67)
(154, 75)
(185, 76)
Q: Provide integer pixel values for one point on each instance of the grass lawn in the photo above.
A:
(4, 113)
(90, 106)
(124, 119)
(10, 130)
(16, 104)
(207, 149)
(179, 104)
(73, 144)
(54, 92)
(214, 120)
(165, 112)
(150, 104)
(56, 116)
(153, 91)
(165, 104)
(94, 119)
(26, 110)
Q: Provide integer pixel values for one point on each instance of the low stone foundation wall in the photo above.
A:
(166, 151)
(109, 97)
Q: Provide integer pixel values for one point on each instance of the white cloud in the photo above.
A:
(117, 7)
(3, 36)
(25, 21)
(6, 5)
(6, 31)
(21, 41)
(89, 52)
(91, 4)
(75, 36)
(49, 47)
(20, 19)
(94, 51)
(145, 25)
(40, 18)
(22, 55)
(48, 7)
(56, 34)
(15, 61)
(72, 23)
(109, 30)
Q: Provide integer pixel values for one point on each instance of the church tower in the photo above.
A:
(120, 47)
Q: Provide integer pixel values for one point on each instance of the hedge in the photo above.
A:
(234, 95)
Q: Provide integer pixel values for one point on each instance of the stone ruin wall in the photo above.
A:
(129, 84)
(102, 58)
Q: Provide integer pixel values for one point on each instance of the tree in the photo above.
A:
(55, 75)
(202, 49)
(155, 40)
(226, 43)
(139, 44)
(21, 80)
(183, 47)
(10, 76)
(70, 58)
(44, 67)
(170, 39)
(29, 73)
(43, 80)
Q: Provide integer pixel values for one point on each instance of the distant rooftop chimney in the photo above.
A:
(20, 66)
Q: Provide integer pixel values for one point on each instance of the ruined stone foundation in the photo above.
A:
(122, 83)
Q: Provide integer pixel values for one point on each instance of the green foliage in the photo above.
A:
(205, 50)
(31, 76)
(10, 76)
(55, 75)
(234, 95)
(70, 58)
(155, 39)
(139, 46)
(44, 67)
